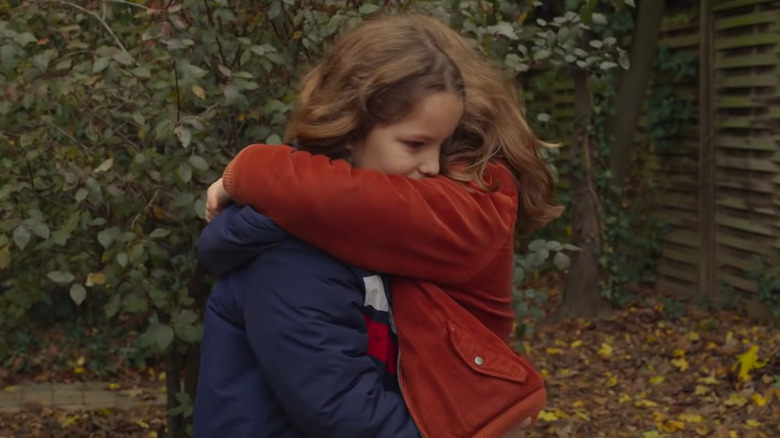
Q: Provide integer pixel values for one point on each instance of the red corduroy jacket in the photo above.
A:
(449, 248)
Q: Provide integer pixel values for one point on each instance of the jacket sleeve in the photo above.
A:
(432, 229)
(310, 338)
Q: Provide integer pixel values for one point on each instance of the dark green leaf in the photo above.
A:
(185, 172)
(106, 237)
(60, 277)
(273, 139)
(537, 245)
(368, 8)
(561, 261)
(198, 162)
(159, 233)
(122, 259)
(162, 335)
(21, 237)
(5, 256)
(123, 57)
(100, 64)
(78, 293)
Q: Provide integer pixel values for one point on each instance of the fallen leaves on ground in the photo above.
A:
(640, 374)
(637, 374)
(37, 422)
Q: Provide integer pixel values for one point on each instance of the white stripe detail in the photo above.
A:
(375, 293)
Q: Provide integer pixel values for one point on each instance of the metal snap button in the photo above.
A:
(478, 360)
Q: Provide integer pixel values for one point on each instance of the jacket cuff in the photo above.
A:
(229, 176)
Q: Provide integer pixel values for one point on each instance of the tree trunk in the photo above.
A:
(630, 97)
(582, 294)
(198, 289)
(172, 382)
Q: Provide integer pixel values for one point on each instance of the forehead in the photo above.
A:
(436, 116)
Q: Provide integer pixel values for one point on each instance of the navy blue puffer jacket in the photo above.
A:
(296, 343)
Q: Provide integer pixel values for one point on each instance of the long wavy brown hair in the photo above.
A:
(373, 75)
(376, 73)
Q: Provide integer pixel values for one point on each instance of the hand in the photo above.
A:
(217, 198)
(519, 430)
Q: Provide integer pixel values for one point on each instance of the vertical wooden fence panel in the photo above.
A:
(746, 43)
(675, 170)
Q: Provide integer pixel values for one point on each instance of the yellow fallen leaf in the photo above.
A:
(693, 336)
(576, 344)
(709, 380)
(645, 404)
(657, 380)
(113, 386)
(701, 390)
(735, 400)
(673, 426)
(681, 364)
(553, 351)
(652, 434)
(142, 423)
(747, 362)
(691, 418)
(161, 376)
(758, 399)
(565, 372)
(69, 421)
(153, 434)
(678, 352)
(582, 414)
(80, 361)
(605, 350)
(753, 423)
(624, 398)
(11, 388)
(78, 370)
(733, 434)
(612, 381)
(547, 416)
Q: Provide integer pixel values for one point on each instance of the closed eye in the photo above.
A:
(415, 144)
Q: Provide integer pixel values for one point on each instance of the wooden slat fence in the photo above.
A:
(718, 187)
(746, 90)
(675, 169)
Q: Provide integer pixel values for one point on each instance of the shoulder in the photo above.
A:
(294, 262)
